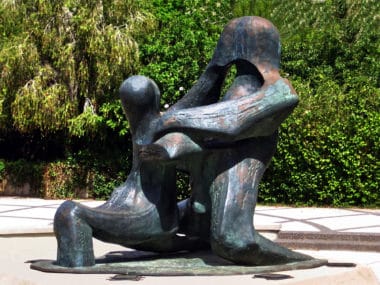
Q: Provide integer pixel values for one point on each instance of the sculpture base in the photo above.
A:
(179, 264)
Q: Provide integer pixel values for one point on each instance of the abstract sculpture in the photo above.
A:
(224, 141)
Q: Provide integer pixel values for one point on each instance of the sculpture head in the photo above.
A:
(139, 96)
(253, 39)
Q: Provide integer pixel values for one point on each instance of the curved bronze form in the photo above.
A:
(224, 144)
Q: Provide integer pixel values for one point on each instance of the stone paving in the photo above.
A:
(31, 215)
(26, 232)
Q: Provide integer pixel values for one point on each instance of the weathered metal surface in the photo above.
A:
(185, 264)
(225, 146)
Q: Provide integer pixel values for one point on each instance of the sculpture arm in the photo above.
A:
(258, 114)
(171, 146)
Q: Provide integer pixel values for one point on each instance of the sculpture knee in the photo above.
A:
(74, 237)
(64, 214)
(69, 222)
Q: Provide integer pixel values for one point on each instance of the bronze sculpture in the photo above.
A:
(224, 144)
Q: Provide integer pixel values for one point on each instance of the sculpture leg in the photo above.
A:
(145, 229)
(190, 157)
(74, 237)
(233, 237)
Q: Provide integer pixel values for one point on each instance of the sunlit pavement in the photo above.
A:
(344, 235)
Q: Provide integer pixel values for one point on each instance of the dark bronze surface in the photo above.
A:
(224, 144)
(202, 263)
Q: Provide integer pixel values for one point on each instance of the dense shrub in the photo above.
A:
(328, 152)
(176, 54)
(82, 175)
(329, 148)
(20, 172)
(61, 65)
(62, 62)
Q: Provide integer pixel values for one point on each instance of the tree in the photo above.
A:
(61, 64)
(177, 52)
(62, 61)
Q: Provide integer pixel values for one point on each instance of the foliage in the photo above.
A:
(329, 148)
(176, 53)
(104, 171)
(2, 167)
(75, 178)
(64, 58)
(82, 175)
(183, 185)
(328, 152)
(61, 64)
(22, 171)
(262, 8)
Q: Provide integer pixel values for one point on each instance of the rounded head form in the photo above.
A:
(249, 38)
(140, 93)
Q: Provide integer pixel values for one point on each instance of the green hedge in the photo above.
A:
(328, 153)
(83, 175)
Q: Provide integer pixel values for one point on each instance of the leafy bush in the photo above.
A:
(327, 155)
(176, 53)
(2, 168)
(63, 60)
(21, 172)
(329, 148)
(61, 64)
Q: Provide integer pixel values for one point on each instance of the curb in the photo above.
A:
(330, 241)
